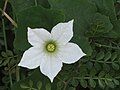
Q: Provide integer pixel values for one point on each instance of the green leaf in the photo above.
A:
(0, 61)
(107, 8)
(115, 33)
(71, 88)
(74, 82)
(117, 27)
(48, 86)
(114, 56)
(100, 55)
(20, 5)
(107, 56)
(24, 86)
(118, 1)
(116, 81)
(115, 66)
(100, 24)
(101, 74)
(35, 17)
(60, 85)
(6, 61)
(81, 13)
(97, 66)
(83, 83)
(30, 83)
(39, 85)
(12, 62)
(29, 89)
(110, 84)
(5, 80)
(89, 65)
(106, 67)
(92, 83)
(108, 77)
(101, 83)
(83, 71)
(9, 53)
(93, 72)
(3, 87)
(35, 76)
(4, 54)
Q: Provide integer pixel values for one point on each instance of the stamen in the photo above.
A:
(51, 47)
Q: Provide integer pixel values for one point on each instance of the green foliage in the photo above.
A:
(31, 18)
(96, 31)
(8, 61)
(116, 30)
(20, 5)
(83, 83)
(8, 58)
(33, 83)
(106, 7)
(105, 59)
(100, 24)
(39, 85)
(30, 86)
(82, 14)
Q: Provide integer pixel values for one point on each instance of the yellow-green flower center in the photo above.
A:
(50, 47)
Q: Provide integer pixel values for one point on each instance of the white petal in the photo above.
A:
(50, 66)
(31, 58)
(37, 36)
(70, 53)
(63, 32)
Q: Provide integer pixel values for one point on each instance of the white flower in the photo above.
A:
(51, 50)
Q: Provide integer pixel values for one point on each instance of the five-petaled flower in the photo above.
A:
(51, 50)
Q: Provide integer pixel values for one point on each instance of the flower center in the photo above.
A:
(51, 47)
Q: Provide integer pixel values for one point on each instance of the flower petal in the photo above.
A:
(50, 66)
(70, 53)
(63, 32)
(37, 36)
(31, 58)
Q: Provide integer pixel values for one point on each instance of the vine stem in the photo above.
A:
(36, 3)
(100, 45)
(104, 61)
(10, 77)
(4, 34)
(6, 48)
(17, 74)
